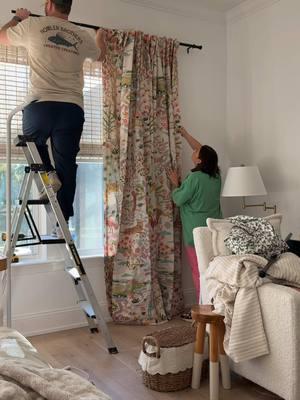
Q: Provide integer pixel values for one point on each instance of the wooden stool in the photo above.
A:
(2, 263)
(202, 315)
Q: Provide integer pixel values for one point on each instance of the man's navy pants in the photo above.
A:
(63, 124)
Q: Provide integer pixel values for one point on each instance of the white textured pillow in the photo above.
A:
(275, 221)
(220, 229)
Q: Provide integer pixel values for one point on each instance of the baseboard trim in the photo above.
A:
(53, 321)
(41, 323)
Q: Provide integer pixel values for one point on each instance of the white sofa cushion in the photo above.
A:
(220, 229)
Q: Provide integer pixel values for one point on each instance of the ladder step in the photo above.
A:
(45, 239)
(21, 141)
(87, 308)
(74, 273)
(35, 202)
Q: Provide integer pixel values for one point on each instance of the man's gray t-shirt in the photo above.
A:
(57, 50)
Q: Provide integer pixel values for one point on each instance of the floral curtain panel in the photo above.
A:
(142, 141)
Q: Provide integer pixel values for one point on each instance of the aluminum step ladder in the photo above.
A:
(35, 172)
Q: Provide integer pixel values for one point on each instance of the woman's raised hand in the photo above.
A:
(183, 131)
(173, 176)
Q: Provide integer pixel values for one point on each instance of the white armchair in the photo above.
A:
(279, 371)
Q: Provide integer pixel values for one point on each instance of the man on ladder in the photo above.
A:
(57, 50)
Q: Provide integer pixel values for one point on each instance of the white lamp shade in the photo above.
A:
(243, 182)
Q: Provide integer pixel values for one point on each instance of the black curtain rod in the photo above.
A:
(188, 45)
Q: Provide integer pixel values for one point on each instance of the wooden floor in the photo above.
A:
(119, 375)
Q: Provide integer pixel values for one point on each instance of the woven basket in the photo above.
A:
(167, 338)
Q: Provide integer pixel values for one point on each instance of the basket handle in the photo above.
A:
(151, 338)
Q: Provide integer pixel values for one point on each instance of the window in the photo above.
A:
(86, 226)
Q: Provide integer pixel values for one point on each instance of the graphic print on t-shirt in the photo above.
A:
(61, 41)
(61, 38)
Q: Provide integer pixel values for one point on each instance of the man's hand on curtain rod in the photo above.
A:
(101, 43)
(21, 14)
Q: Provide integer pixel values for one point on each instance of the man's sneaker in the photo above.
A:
(54, 182)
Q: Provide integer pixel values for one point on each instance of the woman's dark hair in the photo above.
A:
(209, 162)
(63, 6)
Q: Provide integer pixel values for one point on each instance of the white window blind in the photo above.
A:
(92, 138)
(14, 84)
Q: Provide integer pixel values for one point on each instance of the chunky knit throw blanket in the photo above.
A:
(20, 382)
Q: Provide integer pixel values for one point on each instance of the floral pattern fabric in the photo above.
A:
(142, 141)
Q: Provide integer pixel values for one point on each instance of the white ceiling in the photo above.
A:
(190, 7)
(216, 5)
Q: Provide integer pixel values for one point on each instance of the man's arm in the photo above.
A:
(21, 14)
(100, 41)
(195, 145)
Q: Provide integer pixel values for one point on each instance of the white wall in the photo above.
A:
(41, 292)
(263, 99)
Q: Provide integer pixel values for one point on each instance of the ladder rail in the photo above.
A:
(101, 321)
(24, 184)
(8, 221)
